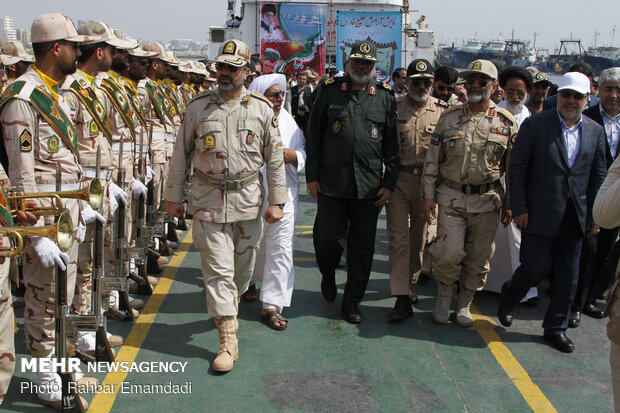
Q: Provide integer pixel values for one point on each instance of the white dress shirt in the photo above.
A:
(572, 139)
(612, 130)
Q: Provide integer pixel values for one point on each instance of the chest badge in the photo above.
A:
(250, 138)
(336, 127)
(209, 141)
(52, 144)
(452, 144)
(374, 132)
(93, 129)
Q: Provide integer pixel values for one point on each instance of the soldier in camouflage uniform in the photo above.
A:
(468, 153)
(228, 134)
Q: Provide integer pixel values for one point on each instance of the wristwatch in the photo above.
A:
(281, 206)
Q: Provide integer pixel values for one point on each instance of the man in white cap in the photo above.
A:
(556, 167)
(38, 133)
(228, 134)
(274, 264)
(467, 190)
(15, 59)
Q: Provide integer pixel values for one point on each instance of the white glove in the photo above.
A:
(138, 189)
(90, 215)
(116, 194)
(150, 174)
(49, 253)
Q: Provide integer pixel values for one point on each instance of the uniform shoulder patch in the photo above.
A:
(507, 115)
(260, 97)
(435, 138)
(25, 141)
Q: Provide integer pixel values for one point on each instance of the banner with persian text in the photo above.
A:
(292, 37)
(383, 28)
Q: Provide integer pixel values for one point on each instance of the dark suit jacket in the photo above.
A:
(540, 179)
(594, 113)
(294, 99)
(552, 102)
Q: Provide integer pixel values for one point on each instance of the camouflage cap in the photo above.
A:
(235, 53)
(55, 26)
(157, 48)
(364, 51)
(15, 52)
(102, 33)
(480, 66)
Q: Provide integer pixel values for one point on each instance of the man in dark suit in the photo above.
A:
(556, 167)
(552, 101)
(295, 98)
(598, 264)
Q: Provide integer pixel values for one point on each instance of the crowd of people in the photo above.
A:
(449, 155)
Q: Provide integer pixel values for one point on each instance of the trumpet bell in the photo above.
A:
(64, 231)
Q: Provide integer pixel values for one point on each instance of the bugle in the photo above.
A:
(61, 232)
(93, 194)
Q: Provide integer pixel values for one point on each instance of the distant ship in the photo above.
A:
(602, 57)
(512, 52)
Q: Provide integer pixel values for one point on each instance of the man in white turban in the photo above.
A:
(274, 261)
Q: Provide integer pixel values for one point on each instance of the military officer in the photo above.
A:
(418, 113)
(228, 134)
(353, 152)
(16, 59)
(465, 159)
(38, 134)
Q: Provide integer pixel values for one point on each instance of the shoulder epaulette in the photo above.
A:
(260, 97)
(330, 81)
(385, 86)
(452, 109)
(506, 114)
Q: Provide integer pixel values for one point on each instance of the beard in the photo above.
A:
(417, 97)
(231, 85)
(362, 79)
(479, 97)
(515, 109)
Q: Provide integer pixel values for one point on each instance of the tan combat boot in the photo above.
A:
(229, 350)
(441, 312)
(463, 315)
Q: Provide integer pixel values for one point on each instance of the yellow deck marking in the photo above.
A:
(304, 259)
(303, 233)
(304, 226)
(530, 391)
(103, 402)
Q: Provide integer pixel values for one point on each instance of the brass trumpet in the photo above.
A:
(93, 193)
(61, 232)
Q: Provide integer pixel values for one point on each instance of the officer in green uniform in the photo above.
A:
(353, 151)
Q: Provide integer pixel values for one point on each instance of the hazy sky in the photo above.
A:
(452, 20)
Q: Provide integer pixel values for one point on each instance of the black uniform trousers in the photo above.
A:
(556, 256)
(355, 220)
(596, 261)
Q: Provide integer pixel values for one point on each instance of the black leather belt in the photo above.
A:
(470, 189)
(411, 169)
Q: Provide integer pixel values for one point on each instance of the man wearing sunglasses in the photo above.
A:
(228, 134)
(556, 167)
(444, 85)
(353, 158)
(466, 157)
(38, 134)
(418, 114)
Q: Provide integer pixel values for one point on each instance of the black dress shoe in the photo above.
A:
(413, 295)
(593, 311)
(574, 319)
(328, 287)
(504, 312)
(402, 309)
(560, 342)
(350, 312)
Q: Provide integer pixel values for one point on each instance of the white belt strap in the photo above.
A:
(127, 147)
(171, 138)
(63, 187)
(104, 174)
(159, 136)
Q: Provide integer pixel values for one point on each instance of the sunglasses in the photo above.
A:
(231, 68)
(481, 82)
(441, 88)
(275, 94)
(417, 82)
(567, 94)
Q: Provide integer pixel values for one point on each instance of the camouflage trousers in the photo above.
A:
(464, 246)
(407, 233)
(40, 297)
(227, 254)
(7, 330)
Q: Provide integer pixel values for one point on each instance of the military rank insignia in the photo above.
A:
(52, 144)
(374, 132)
(491, 112)
(213, 98)
(250, 138)
(245, 99)
(93, 129)
(435, 137)
(274, 121)
(336, 127)
(501, 131)
(153, 113)
(25, 141)
(209, 141)
(373, 90)
(82, 83)
(343, 86)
